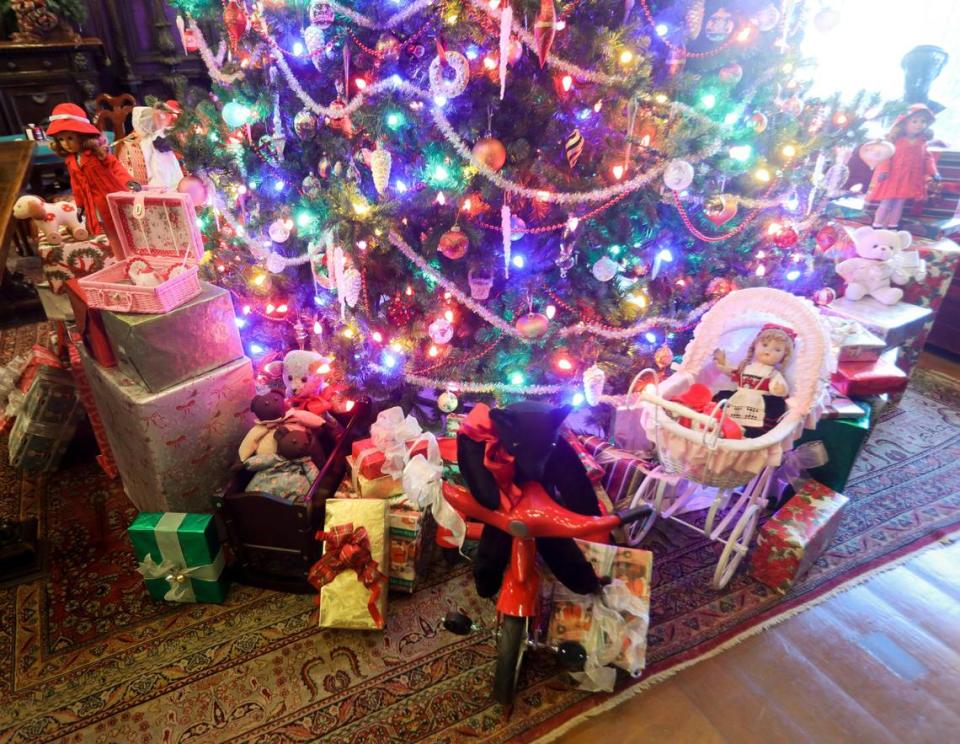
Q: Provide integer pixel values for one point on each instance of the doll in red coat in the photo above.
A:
(94, 171)
(906, 174)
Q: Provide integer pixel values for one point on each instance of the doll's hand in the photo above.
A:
(720, 358)
(778, 388)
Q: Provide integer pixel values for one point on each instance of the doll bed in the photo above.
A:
(273, 540)
(691, 458)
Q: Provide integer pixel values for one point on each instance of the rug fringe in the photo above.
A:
(638, 687)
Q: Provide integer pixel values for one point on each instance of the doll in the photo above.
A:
(759, 401)
(94, 170)
(905, 175)
(147, 153)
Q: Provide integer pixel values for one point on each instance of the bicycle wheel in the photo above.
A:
(511, 644)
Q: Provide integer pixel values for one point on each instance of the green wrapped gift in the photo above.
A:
(843, 438)
(180, 556)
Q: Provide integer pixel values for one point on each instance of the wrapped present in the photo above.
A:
(64, 261)
(276, 475)
(350, 576)
(105, 458)
(841, 407)
(174, 449)
(394, 439)
(623, 471)
(942, 257)
(158, 228)
(17, 376)
(46, 422)
(180, 556)
(895, 324)
(384, 487)
(412, 533)
(843, 439)
(453, 423)
(852, 342)
(163, 350)
(55, 306)
(612, 628)
(870, 378)
(595, 471)
(89, 322)
(790, 542)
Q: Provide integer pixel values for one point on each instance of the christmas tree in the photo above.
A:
(494, 197)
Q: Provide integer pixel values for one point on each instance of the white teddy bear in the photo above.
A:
(301, 370)
(882, 258)
(49, 216)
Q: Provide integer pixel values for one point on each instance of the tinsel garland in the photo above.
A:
(672, 325)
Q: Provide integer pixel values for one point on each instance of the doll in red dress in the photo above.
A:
(906, 174)
(94, 171)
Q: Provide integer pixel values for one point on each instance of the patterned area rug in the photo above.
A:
(86, 655)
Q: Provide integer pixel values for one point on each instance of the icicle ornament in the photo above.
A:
(506, 23)
(506, 229)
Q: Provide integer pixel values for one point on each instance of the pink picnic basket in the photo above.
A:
(160, 227)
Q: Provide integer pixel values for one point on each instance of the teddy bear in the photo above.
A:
(301, 372)
(530, 434)
(288, 472)
(881, 258)
(272, 415)
(49, 216)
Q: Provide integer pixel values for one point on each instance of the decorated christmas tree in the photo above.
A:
(505, 197)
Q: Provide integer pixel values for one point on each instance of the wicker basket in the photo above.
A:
(160, 227)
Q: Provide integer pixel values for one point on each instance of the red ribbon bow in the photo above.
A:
(348, 549)
(498, 461)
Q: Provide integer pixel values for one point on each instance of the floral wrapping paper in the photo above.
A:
(346, 601)
(571, 619)
(796, 536)
(163, 350)
(167, 227)
(276, 475)
(942, 259)
(64, 261)
(174, 449)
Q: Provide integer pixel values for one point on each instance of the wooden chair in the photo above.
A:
(112, 113)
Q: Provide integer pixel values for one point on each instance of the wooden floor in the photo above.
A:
(878, 663)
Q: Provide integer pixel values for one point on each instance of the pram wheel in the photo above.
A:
(736, 546)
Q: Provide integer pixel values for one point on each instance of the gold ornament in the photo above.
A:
(447, 402)
(720, 208)
(533, 325)
(453, 244)
(491, 152)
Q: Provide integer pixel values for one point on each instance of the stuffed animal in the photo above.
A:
(881, 258)
(49, 217)
(301, 372)
(529, 432)
(289, 472)
(272, 416)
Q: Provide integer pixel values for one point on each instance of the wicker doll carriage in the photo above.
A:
(739, 471)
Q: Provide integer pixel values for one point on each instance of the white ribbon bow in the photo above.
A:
(390, 434)
(179, 576)
(423, 484)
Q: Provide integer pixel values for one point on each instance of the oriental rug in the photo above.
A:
(86, 655)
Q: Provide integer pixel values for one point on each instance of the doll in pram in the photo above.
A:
(691, 449)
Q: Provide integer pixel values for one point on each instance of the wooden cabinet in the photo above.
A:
(36, 77)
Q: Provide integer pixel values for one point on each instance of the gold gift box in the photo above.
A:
(344, 602)
(383, 487)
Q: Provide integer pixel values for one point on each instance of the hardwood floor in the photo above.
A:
(879, 663)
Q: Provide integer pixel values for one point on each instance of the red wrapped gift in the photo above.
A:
(870, 378)
(594, 469)
(793, 538)
(623, 471)
(90, 325)
(394, 439)
(105, 458)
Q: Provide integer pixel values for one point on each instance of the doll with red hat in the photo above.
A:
(94, 171)
(907, 174)
(759, 401)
